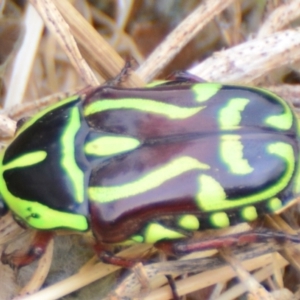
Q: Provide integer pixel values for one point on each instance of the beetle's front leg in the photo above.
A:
(21, 258)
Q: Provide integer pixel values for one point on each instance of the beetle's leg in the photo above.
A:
(185, 246)
(121, 77)
(18, 259)
(172, 285)
(112, 259)
(106, 256)
(135, 266)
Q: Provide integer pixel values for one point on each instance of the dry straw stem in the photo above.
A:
(260, 275)
(58, 26)
(280, 18)
(7, 126)
(180, 36)
(95, 49)
(277, 223)
(155, 273)
(249, 61)
(289, 251)
(28, 109)
(84, 277)
(22, 68)
(73, 283)
(223, 274)
(9, 229)
(120, 38)
(122, 18)
(130, 285)
(23, 62)
(251, 284)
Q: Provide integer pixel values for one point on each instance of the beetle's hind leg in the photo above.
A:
(186, 246)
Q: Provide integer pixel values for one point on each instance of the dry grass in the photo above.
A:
(71, 47)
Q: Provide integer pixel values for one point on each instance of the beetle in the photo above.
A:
(153, 164)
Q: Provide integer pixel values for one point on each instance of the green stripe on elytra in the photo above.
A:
(274, 204)
(204, 91)
(249, 213)
(104, 194)
(230, 115)
(211, 195)
(68, 160)
(219, 219)
(110, 145)
(146, 105)
(155, 232)
(283, 121)
(34, 213)
(231, 153)
(188, 222)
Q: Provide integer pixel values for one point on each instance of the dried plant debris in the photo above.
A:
(11, 33)
(67, 46)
